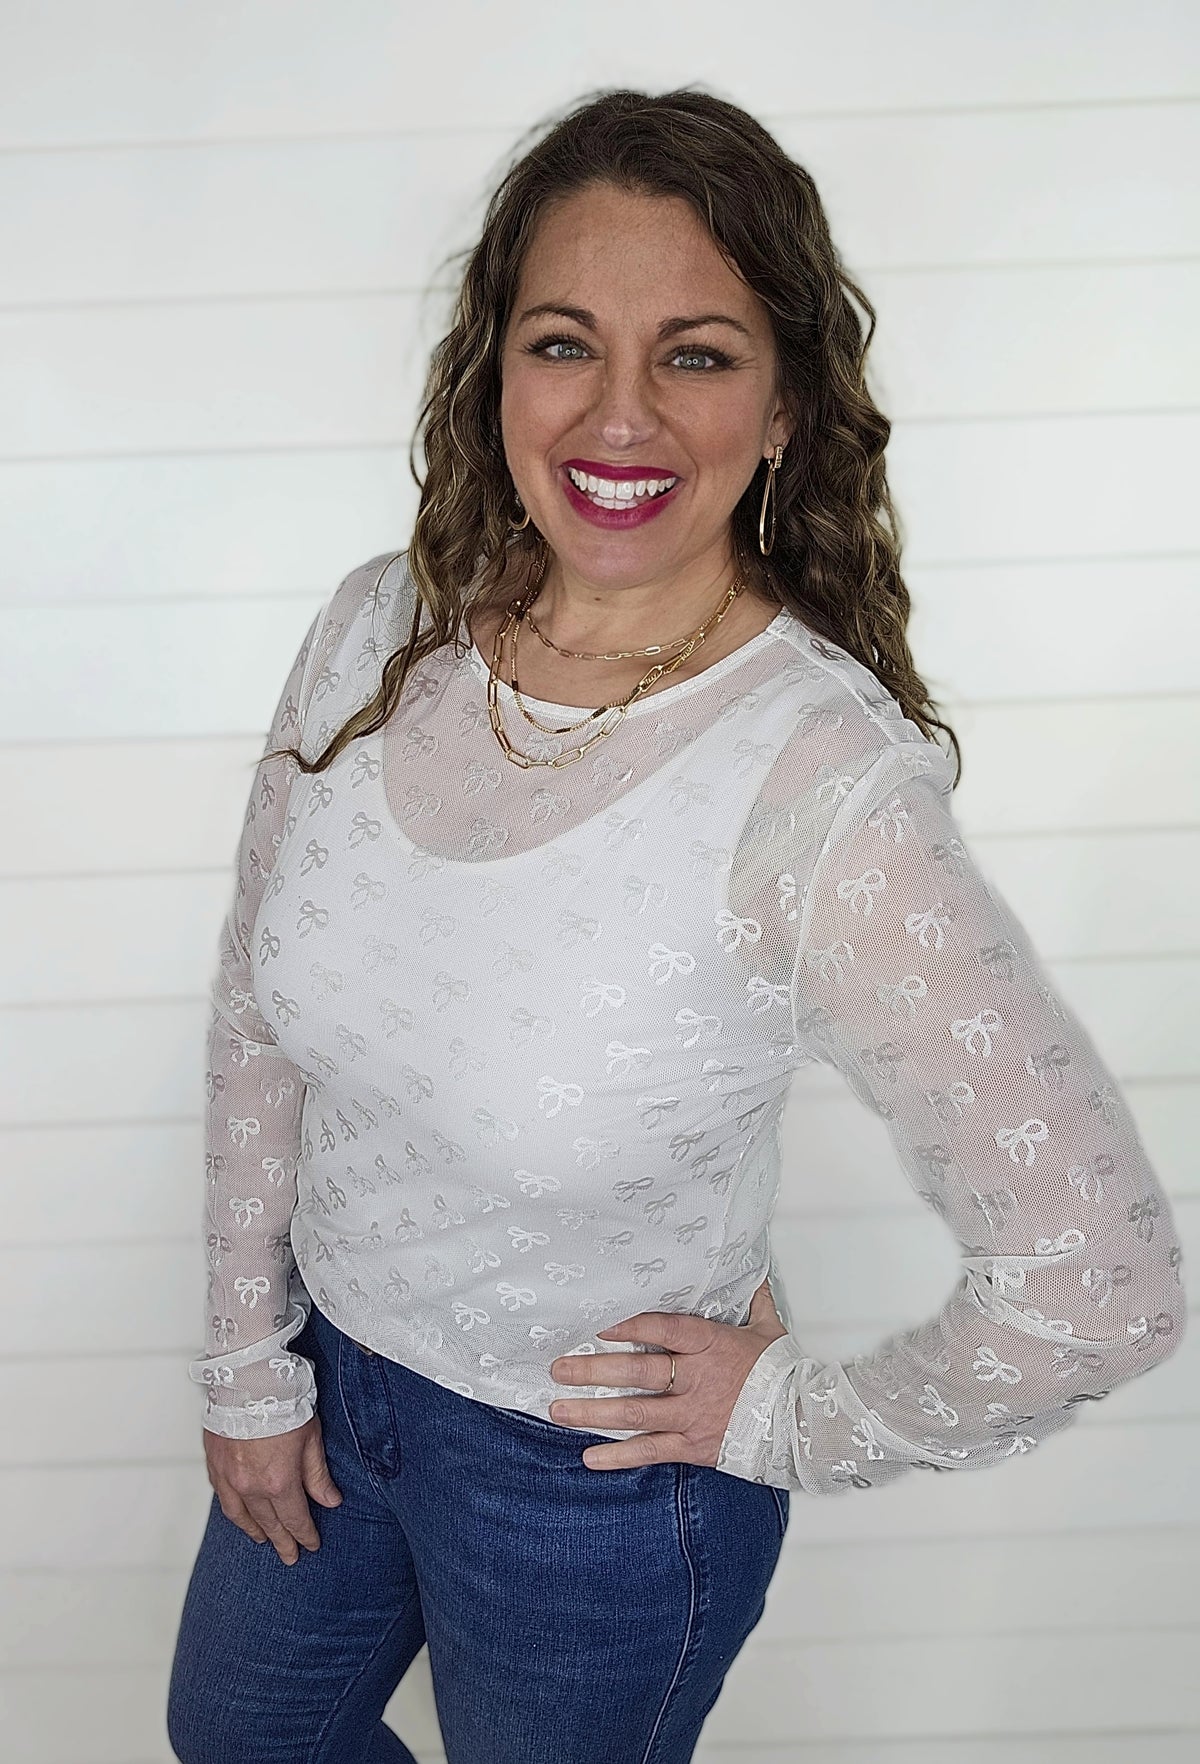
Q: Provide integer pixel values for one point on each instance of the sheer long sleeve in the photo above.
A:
(915, 979)
(255, 1302)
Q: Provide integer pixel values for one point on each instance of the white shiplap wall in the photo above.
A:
(218, 225)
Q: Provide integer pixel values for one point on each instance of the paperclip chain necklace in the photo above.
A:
(515, 613)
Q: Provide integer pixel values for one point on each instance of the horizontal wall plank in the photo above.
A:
(114, 1617)
(123, 1517)
(187, 527)
(293, 521)
(93, 938)
(1043, 490)
(341, 371)
(86, 1717)
(330, 372)
(161, 804)
(1112, 763)
(1044, 632)
(1175, 1747)
(1013, 1685)
(139, 72)
(116, 1062)
(302, 216)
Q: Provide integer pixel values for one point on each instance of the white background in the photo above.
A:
(219, 227)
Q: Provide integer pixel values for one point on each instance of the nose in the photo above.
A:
(624, 416)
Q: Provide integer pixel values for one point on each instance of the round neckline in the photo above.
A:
(680, 689)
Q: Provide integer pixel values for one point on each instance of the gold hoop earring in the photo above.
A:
(769, 492)
(520, 526)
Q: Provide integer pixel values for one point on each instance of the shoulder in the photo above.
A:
(842, 692)
(849, 740)
(377, 591)
(371, 605)
(361, 622)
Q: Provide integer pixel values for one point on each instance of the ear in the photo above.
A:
(780, 430)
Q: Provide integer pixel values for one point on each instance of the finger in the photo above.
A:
(677, 1330)
(623, 1369)
(294, 1512)
(647, 1448)
(315, 1471)
(657, 1414)
(234, 1509)
(262, 1508)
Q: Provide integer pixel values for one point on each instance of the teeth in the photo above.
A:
(618, 492)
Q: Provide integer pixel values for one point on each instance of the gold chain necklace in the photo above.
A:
(604, 655)
(692, 643)
(515, 613)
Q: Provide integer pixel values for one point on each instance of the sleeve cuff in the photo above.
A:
(260, 1417)
(761, 1443)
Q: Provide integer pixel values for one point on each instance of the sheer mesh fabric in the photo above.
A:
(498, 1056)
(916, 981)
(253, 1103)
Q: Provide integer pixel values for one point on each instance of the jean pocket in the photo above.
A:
(554, 1430)
(783, 1508)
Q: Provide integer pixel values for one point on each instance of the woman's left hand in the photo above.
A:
(712, 1363)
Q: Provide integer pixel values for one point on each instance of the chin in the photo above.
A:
(613, 560)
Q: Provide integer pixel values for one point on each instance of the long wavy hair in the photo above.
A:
(836, 554)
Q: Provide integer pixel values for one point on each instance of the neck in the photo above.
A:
(546, 674)
(578, 614)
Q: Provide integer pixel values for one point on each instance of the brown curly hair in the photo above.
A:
(835, 559)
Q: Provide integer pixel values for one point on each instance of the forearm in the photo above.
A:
(254, 1303)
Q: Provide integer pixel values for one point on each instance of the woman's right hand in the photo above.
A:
(261, 1485)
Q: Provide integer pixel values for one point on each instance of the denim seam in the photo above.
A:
(400, 1617)
(779, 1508)
(681, 1516)
(362, 1457)
(385, 1383)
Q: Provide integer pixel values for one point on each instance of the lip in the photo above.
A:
(597, 468)
(616, 518)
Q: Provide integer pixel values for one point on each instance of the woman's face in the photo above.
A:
(635, 356)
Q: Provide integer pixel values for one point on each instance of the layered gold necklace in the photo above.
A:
(518, 611)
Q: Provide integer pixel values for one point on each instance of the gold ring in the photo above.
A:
(670, 1381)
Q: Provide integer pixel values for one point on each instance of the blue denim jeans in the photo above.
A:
(573, 1616)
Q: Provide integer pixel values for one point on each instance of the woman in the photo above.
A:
(584, 823)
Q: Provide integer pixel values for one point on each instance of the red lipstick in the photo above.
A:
(619, 518)
(597, 468)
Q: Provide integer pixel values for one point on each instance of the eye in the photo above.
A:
(545, 344)
(694, 350)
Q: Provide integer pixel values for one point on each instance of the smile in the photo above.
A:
(625, 499)
(618, 492)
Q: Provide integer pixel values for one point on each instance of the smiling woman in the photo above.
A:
(657, 398)
(523, 955)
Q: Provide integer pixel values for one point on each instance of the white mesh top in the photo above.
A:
(498, 1057)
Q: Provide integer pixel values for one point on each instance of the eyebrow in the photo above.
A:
(669, 328)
